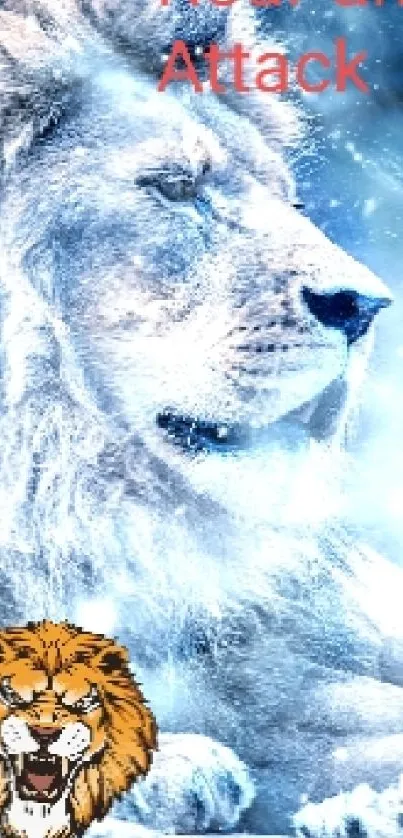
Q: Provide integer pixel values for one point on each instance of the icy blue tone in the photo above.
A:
(200, 453)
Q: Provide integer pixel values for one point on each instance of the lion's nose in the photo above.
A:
(345, 310)
(44, 736)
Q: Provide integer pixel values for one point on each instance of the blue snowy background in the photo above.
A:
(351, 180)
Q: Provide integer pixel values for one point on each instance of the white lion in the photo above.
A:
(181, 351)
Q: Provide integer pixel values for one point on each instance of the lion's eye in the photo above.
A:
(8, 695)
(176, 183)
(178, 187)
(174, 186)
(87, 703)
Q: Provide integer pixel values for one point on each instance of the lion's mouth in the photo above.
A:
(41, 778)
(316, 419)
(198, 435)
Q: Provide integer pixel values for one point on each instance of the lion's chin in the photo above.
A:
(41, 779)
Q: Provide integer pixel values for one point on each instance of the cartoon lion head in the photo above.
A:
(74, 727)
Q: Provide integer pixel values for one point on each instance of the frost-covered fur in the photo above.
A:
(152, 257)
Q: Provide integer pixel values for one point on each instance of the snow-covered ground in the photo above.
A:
(364, 813)
(113, 828)
(195, 785)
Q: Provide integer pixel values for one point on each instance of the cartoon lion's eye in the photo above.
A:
(8, 695)
(87, 703)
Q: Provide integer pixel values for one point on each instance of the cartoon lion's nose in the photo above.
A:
(345, 310)
(44, 736)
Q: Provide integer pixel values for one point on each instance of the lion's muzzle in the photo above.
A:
(43, 760)
(41, 775)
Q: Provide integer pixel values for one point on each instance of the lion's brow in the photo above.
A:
(50, 651)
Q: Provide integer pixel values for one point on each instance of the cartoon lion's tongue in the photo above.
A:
(40, 782)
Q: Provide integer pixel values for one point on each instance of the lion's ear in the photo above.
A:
(112, 659)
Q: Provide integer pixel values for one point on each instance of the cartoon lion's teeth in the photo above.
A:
(65, 766)
(19, 764)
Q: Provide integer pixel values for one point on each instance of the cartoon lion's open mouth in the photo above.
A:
(42, 777)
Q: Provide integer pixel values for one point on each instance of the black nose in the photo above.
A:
(44, 736)
(347, 311)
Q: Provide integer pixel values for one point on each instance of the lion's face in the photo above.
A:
(73, 725)
(164, 228)
(199, 297)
